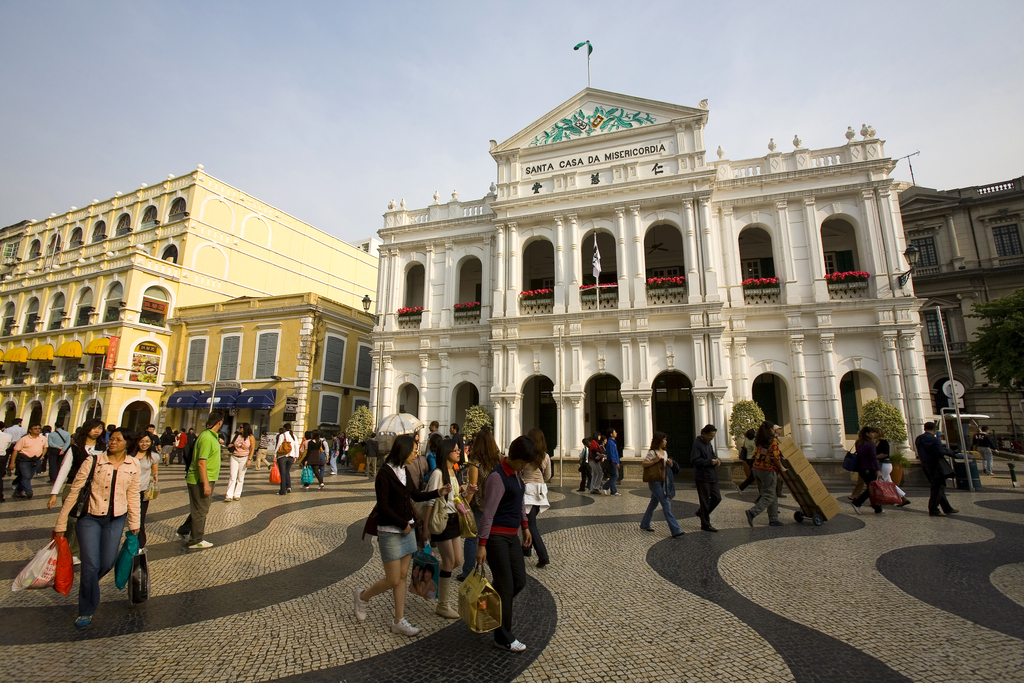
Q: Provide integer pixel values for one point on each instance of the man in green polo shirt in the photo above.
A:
(203, 473)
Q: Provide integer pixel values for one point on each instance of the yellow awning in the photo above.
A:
(19, 354)
(41, 352)
(71, 349)
(98, 347)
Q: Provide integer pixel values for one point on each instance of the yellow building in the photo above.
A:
(298, 358)
(119, 268)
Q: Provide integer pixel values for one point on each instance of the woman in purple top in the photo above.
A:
(867, 464)
(504, 516)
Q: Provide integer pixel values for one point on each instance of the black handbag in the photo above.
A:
(851, 462)
(82, 504)
(138, 580)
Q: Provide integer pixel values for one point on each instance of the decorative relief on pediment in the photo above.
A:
(600, 120)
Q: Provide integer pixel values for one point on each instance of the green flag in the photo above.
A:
(590, 48)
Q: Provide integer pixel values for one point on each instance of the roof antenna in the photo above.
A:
(912, 181)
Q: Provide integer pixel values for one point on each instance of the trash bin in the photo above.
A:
(961, 476)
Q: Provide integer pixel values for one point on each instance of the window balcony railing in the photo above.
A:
(467, 313)
(595, 297)
(666, 290)
(761, 290)
(848, 285)
(409, 318)
(537, 302)
(954, 347)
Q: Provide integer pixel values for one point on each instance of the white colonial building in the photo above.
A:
(670, 338)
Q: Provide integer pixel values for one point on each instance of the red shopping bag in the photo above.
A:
(275, 475)
(65, 576)
(883, 493)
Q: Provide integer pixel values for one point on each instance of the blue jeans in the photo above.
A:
(26, 469)
(98, 539)
(610, 484)
(284, 465)
(658, 498)
(334, 464)
(469, 546)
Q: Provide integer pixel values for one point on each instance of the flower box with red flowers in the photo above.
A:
(666, 282)
(467, 307)
(410, 312)
(848, 277)
(761, 283)
(537, 294)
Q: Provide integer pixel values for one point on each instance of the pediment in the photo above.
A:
(593, 112)
(923, 198)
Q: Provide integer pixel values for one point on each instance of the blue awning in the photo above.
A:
(257, 399)
(224, 400)
(186, 400)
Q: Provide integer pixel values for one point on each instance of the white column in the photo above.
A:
(891, 366)
(514, 275)
(498, 295)
(499, 424)
(646, 426)
(514, 425)
(710, 276)
(575, 266)
(887, 223)
(639, 264)
(643, 380)
(627, 426)
(700, 363)
(393, 285)
(387, 388)
(702, 410)
(621, 259)
(512, 373)
(625, 357)
(428, 299)
(802, 428)
(559, 266)
(375, 402)
(690, 254)
(918, 398)
(497, 371)
(954, 243)
(451, 288)
(740, 385)
(485, 380)
(833, 404)
(875, 261)
(424, 408)
(785, 270)
(444, 407)
(732, 271)
(576, 365)
(485, 284)
(814, 250)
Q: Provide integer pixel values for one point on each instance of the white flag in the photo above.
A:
(597, 260)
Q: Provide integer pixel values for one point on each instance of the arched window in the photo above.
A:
(112, 304)
(178, 209)
(56, 312)
(35, 250)
(170, 254)
(155, 302)
(31, 316)
(85, 307)
(99, 232)
(9, 318)
(77, 237)
(149, 217)
(54, 246)
(124, 225)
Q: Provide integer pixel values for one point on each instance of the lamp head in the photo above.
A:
(912, 254)
(366, 303)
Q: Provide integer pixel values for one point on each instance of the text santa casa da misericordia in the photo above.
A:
(595, 158)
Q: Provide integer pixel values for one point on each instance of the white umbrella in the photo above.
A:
(399, 423)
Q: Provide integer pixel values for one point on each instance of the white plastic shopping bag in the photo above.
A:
(40, 572)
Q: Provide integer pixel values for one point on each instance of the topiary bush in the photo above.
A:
(888, 418)
(360, 425)
(476, 417)
(745, 415)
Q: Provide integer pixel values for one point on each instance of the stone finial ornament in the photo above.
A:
(771, 145)
(864, 130)
(403, 204)
(437, 197)
(871, 131)
(850, 133)
(797, 141)
(391, 205)
(721, 152)
(493, 188)
(199, 167)
(703, 104)
(455, 195)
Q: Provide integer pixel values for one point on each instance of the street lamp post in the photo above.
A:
(367, 301)
(912, 254)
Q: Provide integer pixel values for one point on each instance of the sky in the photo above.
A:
(328, 110)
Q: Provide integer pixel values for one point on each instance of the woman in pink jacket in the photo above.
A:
(113, 495)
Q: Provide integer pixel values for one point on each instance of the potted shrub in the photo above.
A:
(476, 417)
(899, 462)
(745, 415)
(889, 419)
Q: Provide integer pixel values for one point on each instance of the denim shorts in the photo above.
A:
(396, 546)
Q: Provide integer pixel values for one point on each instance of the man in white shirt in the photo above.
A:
(15, 430)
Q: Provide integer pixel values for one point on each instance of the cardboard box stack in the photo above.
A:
(805, 485)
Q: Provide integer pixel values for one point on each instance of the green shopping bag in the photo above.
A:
(123, 566)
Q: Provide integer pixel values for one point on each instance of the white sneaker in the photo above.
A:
(514, 646)
(404, 628)
(202, 545)
(605, 492)
(360, 604)
(856, 508)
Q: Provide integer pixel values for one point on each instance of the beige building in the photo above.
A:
(971, 251)
(118, 269)
(297, 358)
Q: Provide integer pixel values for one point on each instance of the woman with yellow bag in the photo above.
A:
(503, 517)
(446, 538)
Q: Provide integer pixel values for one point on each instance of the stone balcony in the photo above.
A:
(838, 291)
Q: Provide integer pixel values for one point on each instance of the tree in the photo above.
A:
(999, 347)
(888, 418)
(360, 425)
(745, 415)
(476, 417)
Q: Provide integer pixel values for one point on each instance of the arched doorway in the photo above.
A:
(470, 279)
(414, 286)
(839, 247)
(604, 406)
(672, 413)
(855, 389)
(465, 396)
(137, 415)
(757, 260)
(63, 416)
(35, 413)
(10, 412)
(540, 409)
(93, 411)
(409, 399)
(768, 391)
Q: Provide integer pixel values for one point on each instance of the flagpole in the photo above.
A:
(590, 49)
(588, 68)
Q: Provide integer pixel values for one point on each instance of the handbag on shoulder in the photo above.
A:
(851, 463)
(655, 471)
